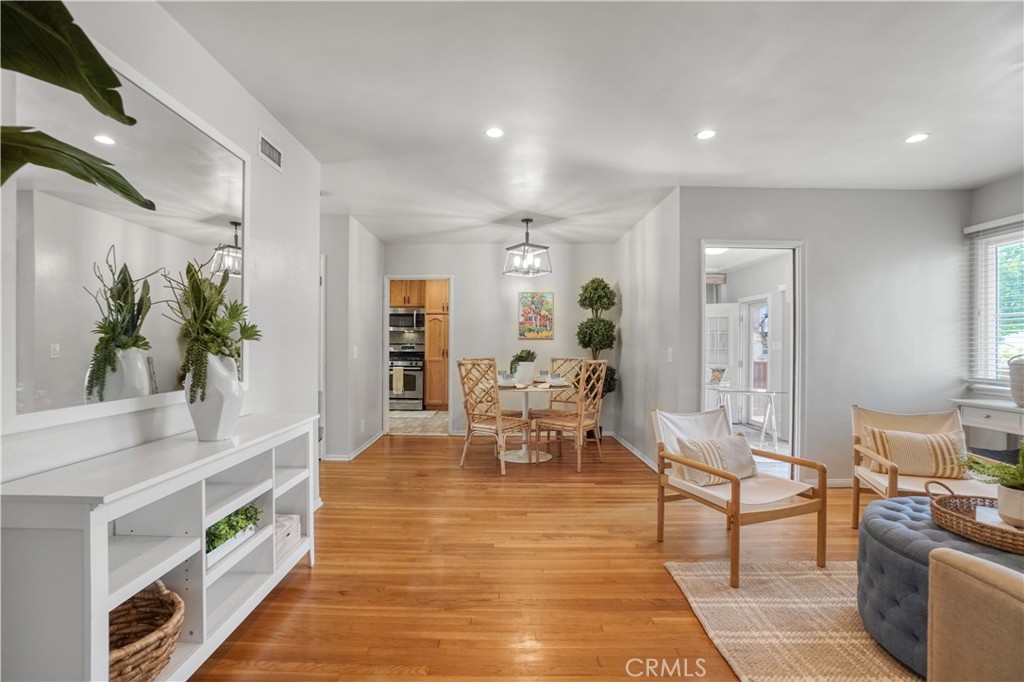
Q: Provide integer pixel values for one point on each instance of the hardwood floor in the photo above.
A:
(423, 568)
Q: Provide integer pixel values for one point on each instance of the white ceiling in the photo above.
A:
(600, 101)
(740, 258)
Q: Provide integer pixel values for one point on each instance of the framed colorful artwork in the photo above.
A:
(536, 315)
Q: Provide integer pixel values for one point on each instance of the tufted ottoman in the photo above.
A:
(896, 536)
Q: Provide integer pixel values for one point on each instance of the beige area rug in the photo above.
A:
(412, 414)
(787, 621)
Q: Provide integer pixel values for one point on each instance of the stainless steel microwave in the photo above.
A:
(406, 319)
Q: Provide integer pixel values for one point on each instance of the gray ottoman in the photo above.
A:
(896, 536)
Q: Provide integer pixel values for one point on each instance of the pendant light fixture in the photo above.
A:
(526, 259)
(228, 258)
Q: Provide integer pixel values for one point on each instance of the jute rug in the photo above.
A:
(787, 621)
(412, 414)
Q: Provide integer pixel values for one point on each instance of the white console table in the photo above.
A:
(79, 540)
(997, 415)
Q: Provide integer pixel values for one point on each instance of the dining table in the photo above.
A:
(522, 455)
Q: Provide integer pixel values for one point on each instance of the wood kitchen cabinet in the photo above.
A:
(437, 296)
(435, 380)
(408, 293)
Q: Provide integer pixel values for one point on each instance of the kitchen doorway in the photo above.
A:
(418, 368)
(751, 343)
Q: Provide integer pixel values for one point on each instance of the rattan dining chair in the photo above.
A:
(563, 401)
(585, 417)
(482, 402)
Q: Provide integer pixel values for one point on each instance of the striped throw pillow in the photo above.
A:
(920, 454)
(731, 454)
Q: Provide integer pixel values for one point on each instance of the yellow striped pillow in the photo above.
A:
(731, 454)
(921, 454)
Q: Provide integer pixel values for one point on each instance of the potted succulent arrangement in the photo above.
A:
(118, 367)
(229, 532)
(597, 333)
(212, 329)
(522, 365)
(1010, 493)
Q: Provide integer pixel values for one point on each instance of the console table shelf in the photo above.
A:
(79, 540)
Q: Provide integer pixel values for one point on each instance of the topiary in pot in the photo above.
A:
(597, 333)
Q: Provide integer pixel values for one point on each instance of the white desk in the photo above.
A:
(522, 455)
(725, 398)
(997, 415)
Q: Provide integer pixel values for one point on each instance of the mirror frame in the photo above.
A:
(31, 421)
(799, 428)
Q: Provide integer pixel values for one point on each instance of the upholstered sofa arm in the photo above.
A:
(975, 619)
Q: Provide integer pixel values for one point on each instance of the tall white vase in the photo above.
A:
(1016, 367)
(130, 380)
(524, 372)
(215, 418)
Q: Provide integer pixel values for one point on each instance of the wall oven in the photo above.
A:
(406, 319)
(405, 381)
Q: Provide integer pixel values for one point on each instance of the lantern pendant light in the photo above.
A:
(228, 258)
(526, 259)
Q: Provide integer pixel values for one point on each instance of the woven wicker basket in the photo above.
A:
(143, 632)
(956, 513)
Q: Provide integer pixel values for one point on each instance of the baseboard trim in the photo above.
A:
(355, 453)
(636, 452)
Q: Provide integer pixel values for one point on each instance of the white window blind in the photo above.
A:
(996, 290)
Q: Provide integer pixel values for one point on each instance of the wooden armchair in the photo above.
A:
(881, 475)
(745, 501)
(479, 378)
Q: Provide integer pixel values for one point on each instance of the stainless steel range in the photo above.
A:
(405, 376)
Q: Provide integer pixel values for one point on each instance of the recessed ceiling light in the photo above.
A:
(916, 137)
(715, 251)
(495, 132)
(706, 134)
(104, 139)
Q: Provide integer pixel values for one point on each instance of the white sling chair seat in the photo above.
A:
(757, 493)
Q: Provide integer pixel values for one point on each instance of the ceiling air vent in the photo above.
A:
(270, 153)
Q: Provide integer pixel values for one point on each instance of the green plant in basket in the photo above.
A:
(231, 525)
(208, 322)
(123, 309)
(1008, 475)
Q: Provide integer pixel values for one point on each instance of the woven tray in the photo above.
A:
(956, 513)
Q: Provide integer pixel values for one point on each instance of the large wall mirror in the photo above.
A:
(750, 344)
(65, 226)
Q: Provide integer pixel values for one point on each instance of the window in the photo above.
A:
(996, 324)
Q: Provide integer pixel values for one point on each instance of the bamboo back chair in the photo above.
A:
(482, 403)
(587, 414)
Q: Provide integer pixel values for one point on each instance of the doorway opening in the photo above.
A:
(750, 343)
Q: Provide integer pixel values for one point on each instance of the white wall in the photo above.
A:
(282, 246)
(882, 298)
(334, 243)
(998, 199)
(647, 271)
(366, 333)
(483, 303)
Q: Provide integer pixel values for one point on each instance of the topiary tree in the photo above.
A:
(597, 333)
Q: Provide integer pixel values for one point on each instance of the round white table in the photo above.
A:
(522, 455)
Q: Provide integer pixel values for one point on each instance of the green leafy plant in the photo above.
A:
(521, 356)
(1008, 475)
(208, 322)
(42, 40)
(231, 525)
(123, 309)
(597, 333)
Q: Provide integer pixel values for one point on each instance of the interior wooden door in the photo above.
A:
(435, 390)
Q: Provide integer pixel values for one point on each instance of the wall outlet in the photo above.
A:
(670, 354)
(54, 350)
(355, 352)
(362, 426)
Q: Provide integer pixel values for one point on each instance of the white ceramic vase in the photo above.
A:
(1016, 367)
(524, 372)
(1010, 504)
(215, 418)
(131, 380)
